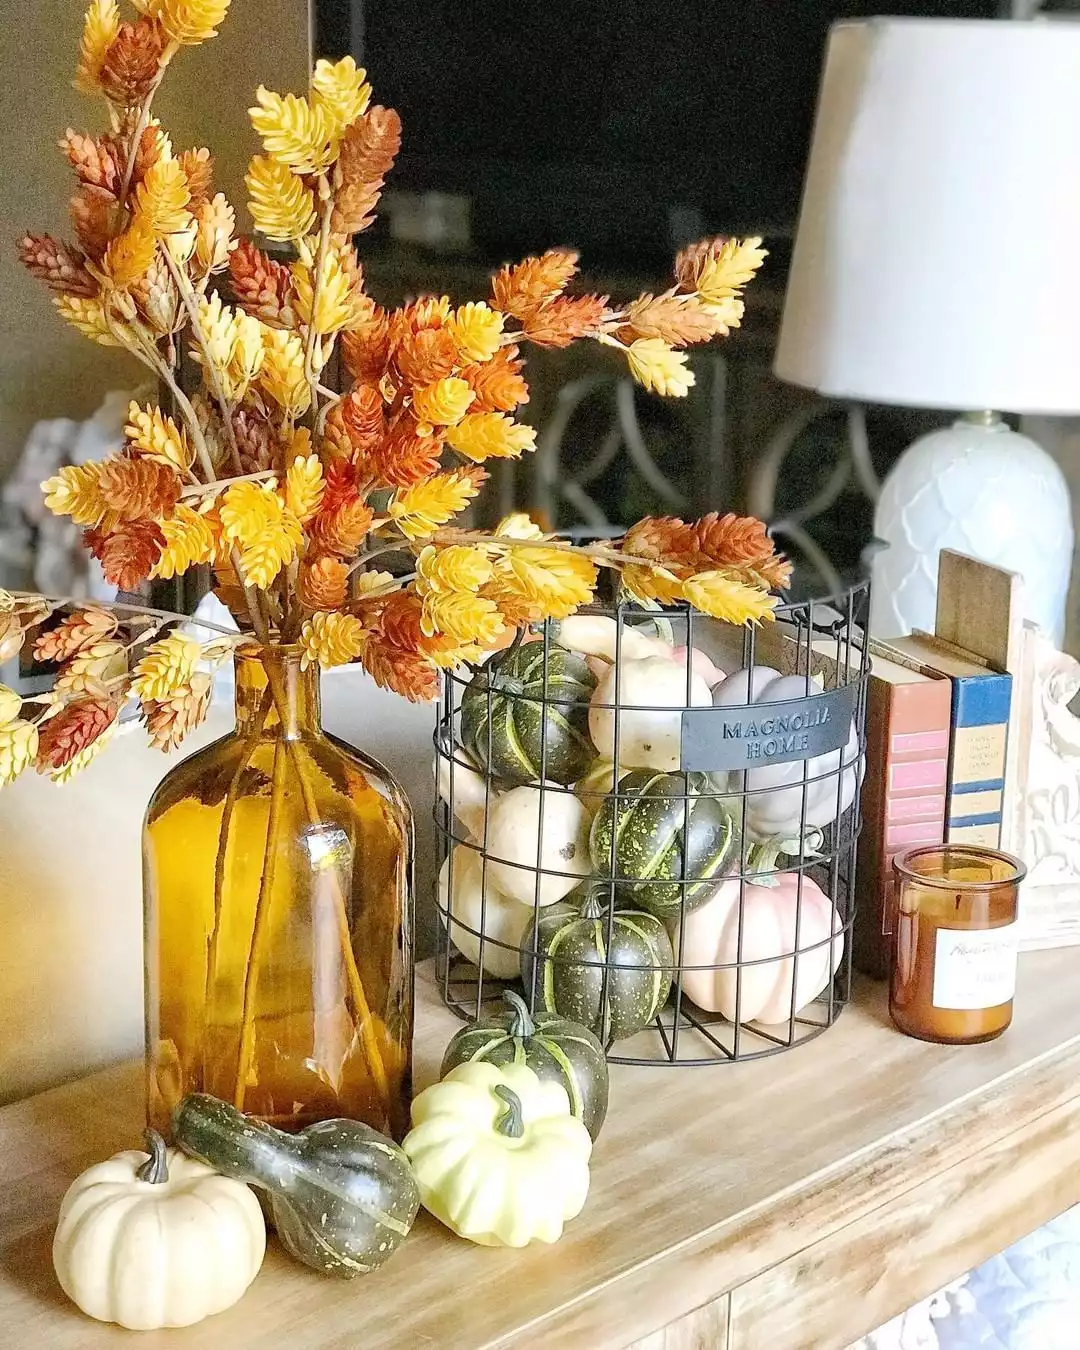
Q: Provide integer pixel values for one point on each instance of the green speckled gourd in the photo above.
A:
(653, 825)
(555, 1049)
(571, 941)
(341, 1195)
(516, 726)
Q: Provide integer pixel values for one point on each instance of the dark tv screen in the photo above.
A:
(618, 126)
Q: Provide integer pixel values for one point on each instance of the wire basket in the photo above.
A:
(637, 845)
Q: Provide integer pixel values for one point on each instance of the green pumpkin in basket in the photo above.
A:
(654, 826)
(555, 1049)
(523, 715)
(568, 946)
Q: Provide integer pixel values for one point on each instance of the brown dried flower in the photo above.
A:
(132, 61)
(370, 146)
(128, 554)
(342, 529)
(521, 288)
(198, 167)
(364, 420)
(365, 348)
(663, 539)
(61, 267)
(498, 384)
(262, 286)
(96, 219)
(170, 719)
(137, 488)
(560, 321)
(324, 583)
(254, 440)
(426, 356)
(72, 730)
(406, 673)
(74, 634)
(403, 457)
(676, 321)
(94, 159)
(731, 539)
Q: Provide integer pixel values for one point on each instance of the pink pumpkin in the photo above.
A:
(711, 937)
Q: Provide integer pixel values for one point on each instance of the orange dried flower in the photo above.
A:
(336, 443)
(198, 167)
(398, 621)
(96, 219)
(340, 485)
(61, 267)
(403, 457)
(520, 289)
(74, 728)
(74, 634)
(323, 583)
(369, 147)
(170, 719)
(149, 149)
(732, 539)
(131, 63)
(365, 348)
(690, 262)
(676, 321)
(262, 286)
(354, 207)
(425, 356)
(406, 673)
(663, 539)
(128, 554)
(364, 419)
(95, 159)
(771, 571)
(342, 530)
(498, 384)
(558, 322)
(254, 440)
(137, 488)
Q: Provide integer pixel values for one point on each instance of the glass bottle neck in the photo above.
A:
(274, 696)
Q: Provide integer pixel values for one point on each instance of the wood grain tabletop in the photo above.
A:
(789, 1204)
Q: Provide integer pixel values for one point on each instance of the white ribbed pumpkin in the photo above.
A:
(158, 1241)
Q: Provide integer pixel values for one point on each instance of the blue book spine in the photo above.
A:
(980, 726)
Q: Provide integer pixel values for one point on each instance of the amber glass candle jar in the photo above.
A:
(954, 966)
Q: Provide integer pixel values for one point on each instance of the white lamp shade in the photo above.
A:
(937, 261)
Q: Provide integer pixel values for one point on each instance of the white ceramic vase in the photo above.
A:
(982, 489)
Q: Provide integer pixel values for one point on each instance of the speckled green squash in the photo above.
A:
(652, 828)
(513, 731)
(555, 1049)
(341, 1195)
(571, 941)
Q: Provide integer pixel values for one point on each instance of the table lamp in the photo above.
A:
(937, 265)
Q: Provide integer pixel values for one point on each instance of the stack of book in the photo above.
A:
(936, 730)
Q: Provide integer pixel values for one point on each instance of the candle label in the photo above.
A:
(975, 968)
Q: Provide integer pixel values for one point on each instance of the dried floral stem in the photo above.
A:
(310, 372)
(201, 489)
(246, 1057)
(144, 120)
(601, 552)
(191, 304)
(141, 611)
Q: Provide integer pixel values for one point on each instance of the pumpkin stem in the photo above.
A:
(155, 1169)
(522, 1026)
(510, 1122)
(592, 907)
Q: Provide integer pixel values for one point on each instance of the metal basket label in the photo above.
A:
(747, 737)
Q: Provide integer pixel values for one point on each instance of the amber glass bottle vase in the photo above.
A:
(278, 917)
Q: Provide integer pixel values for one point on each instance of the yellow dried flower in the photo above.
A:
(554, 580)
(219, 331)
(189, 541)
(189, 22)
(729, 269)
(292, 131)
(339, 304)
(490, 435)
(339, 90)
(166, 666)
(518, 525)
(476, 330)
(725, 314)
(75, 492)
(280, 205)
(282, 376)
(215, 222)
(10, 705)
(170, 719)
(18, 747)
(373, 583)
(269, 534)
(331, 639)
(100, 27)
(419, 510)
(88, 317)
(129, 255)
(156, 436)
(161, 199)
(462, 616)
(304, 483)
(85, 756)
(247, 357)
(86, 671)
(458, 567)
(656, 366)
(717, 594)
(443, 402)
(653, 583)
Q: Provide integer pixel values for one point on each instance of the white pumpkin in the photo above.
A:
(649, 736)
(470, 792)
(515, 845)
(157, 1240)
(477, 908)
(704, 665)
(710, 936)
(598, 635)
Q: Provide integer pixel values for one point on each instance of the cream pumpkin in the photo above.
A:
(760, 992)
(156, 1241)
(649, 736)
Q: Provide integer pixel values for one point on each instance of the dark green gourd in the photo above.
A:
(654, 825)
(571, 940)
(514, 729)
(555, 1049)
(341, 1195)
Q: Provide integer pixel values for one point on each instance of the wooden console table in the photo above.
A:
(791, 1204)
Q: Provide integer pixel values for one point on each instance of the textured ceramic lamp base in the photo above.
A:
(984, 490)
